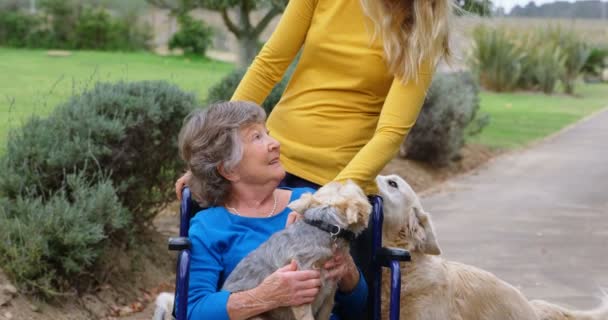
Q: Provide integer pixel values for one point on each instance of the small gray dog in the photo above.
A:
(332, 216)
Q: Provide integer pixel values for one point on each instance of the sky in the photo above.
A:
(509, 4)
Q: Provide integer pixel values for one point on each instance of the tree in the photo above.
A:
(194, 36)
(247, 34)
(478, 7)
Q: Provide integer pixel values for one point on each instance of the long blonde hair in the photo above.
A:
(414, 32)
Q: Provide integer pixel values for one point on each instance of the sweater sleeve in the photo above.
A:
(399, 113)
(270, 64)
(204, 299)
(352, 305)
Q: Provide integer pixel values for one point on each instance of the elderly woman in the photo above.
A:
(236, 172)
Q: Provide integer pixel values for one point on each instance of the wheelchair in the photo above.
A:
(367, 251)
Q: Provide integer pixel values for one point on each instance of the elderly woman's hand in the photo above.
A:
(292, 217)
(181, 183)
(289, 287)
(342, 268)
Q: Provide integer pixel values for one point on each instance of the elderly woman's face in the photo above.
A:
(260, 162)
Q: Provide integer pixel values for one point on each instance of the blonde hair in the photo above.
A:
(414, 32)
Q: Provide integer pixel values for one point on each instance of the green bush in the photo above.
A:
(536, 60)
(194, 37)
(45, 244)
(63, 17)
(107, 156)
(126, 129)
(134, 36)
(575, 52)
(94, 30)
(21, 30)
(595, 62)
(224, 89)
(447, 117)
(496, 59)
(548, 67)
(543, 65)
(72, 25)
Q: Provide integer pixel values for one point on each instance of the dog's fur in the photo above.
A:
(343, 205)
(436, 289)
(163, 306)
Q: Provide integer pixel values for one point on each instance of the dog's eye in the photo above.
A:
(393, 184)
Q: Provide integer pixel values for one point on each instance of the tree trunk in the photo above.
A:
(248, 49)
(247, 38)
(569, 87)
(247, 34)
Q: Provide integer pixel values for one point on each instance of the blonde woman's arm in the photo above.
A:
(277, 54)
(398, 116)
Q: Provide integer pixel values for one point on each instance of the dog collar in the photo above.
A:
(334, 230)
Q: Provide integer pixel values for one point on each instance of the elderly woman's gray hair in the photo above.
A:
(210, 138)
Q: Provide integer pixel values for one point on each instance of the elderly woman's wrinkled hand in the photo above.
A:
(181, 183)
(289, 287)
(342, 269)
(292, 217)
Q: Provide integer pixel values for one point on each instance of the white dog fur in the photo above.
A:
(437, 289)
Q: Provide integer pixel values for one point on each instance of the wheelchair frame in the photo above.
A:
(380, 257)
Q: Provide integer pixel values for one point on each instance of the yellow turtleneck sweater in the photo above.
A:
(343, 115)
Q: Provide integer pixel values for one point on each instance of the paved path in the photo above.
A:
(537, 218)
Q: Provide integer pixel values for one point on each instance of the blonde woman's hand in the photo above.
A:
(181, 183)
(342, 269)
(289, 287)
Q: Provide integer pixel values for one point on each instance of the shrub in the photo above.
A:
(595, 62)
(496, 59)
(575, 53)
(128, 130)
(543, 66)
(194, 37)
(134, 36)
(94, 30)
(45, 244)
(72, 25)
(449, 111)
(97, 29)
(107, 156)
(63, 17)
(224, 89)
(16, 28)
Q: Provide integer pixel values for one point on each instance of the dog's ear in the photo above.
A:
(422, 231)
(357, 207)
(358, 211)
(301, 204)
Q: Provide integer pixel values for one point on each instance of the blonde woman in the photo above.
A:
(358, 88)
(359, 85)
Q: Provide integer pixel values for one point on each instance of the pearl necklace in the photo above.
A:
(274, 207)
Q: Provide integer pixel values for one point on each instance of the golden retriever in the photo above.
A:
(437, 289)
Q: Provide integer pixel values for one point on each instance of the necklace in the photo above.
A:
(274, 207)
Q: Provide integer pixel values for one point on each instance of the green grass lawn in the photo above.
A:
(520, 118)
(31, 82)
